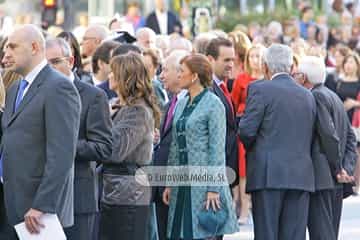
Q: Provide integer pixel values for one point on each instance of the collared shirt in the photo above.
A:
(30, 77)
(162, 19)
(217, 80)
(71, 76)
(181, 95)
(278, 74)
(96, 81)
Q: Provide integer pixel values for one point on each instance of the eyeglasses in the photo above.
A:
(88, 38)
(299, 76)
(56, 61)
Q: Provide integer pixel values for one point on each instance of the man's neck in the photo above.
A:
(100, 77)
(34, 63)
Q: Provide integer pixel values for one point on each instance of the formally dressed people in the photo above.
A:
(252, 71)
(221, 53)
(163, 21)
(94, 141)
(333, 152)
(42, 114)
(276, 130)
(171, 83)
(198, 139)
(125, 203)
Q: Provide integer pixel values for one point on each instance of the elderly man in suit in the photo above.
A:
(277, 129)
(94, 143)
(171, 83)
(40, 130)
(334, 151)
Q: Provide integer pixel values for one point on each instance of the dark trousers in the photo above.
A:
(324, 214)
(83, 227)
(124, 222)
(280, 214)
(161, 217)
(7, 232)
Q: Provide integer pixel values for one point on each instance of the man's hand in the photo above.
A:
(33, 222)
(343, 177)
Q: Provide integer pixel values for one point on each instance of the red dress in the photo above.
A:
(238, 95)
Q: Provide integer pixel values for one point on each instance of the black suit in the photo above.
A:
(173, 24)
(231, 134)
(276, 130)
(94, 145)
(109, 93)
(334, 147)
(161, 155)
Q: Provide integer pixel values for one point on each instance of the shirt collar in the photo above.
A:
(217, 80)
(72, 77)
(158, 13)
(30, 77)
(182, 94)
(278, 74)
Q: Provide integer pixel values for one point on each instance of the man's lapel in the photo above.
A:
(29, 94)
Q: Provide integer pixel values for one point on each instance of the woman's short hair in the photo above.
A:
(133, 80)
(199, 64)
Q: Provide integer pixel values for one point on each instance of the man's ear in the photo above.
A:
(71, 61)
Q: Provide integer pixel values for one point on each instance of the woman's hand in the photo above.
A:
(166, 195)
(213, 200)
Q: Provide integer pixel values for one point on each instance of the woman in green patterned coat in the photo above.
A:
(199, 129)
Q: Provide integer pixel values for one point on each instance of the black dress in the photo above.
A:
(347, 90)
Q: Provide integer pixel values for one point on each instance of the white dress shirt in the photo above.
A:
(162, 19)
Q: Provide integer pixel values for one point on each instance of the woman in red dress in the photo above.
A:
(253, 71)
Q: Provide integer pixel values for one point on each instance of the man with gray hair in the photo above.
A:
(92, 38)
(276, 130)
(94, 142)
(145, 38)
(333, 152)
(171, 83)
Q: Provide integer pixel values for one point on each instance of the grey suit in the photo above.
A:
(334, 147)
(38, 147)
(94, 145)
(277, 129)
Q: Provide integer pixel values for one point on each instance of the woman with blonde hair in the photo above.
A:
(241, 44)
(125, 204)
(252, 71)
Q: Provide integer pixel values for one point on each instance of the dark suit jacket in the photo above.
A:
(276, 130)
(109, 93)
(231, 133)
(174, 24)
(162, 149)
(39, 146)
(334, 141)
(94, 145)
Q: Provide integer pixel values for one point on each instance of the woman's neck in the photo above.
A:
(257, 74)
(194, 91)
(351, 77)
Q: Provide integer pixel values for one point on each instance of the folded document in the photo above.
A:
(52, 230)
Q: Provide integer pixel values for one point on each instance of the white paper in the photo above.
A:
(52, 230)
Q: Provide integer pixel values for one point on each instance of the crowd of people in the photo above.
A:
(275, 110)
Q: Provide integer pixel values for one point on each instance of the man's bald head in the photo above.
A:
(31, 34)
(24, 50)
(145, 37)
(93, 37)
